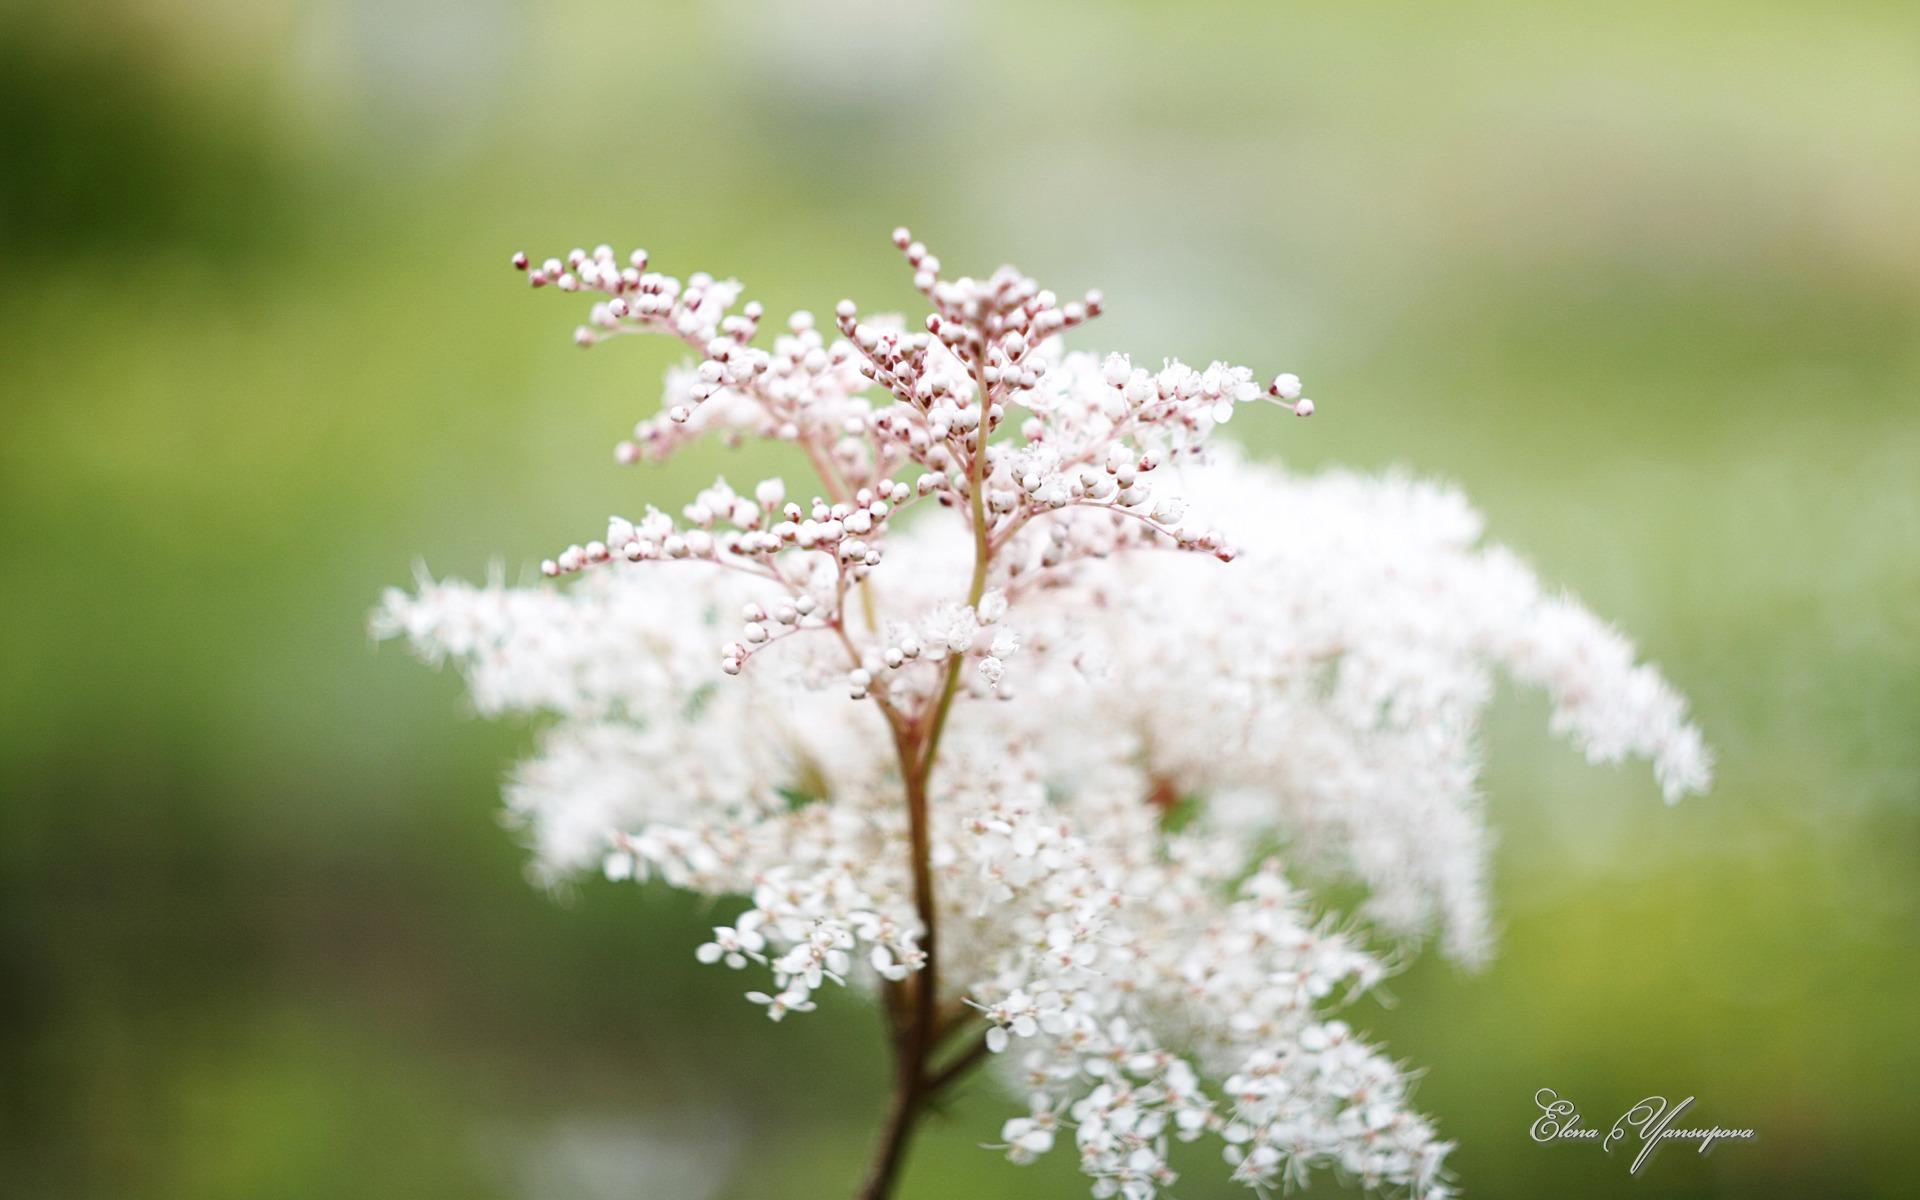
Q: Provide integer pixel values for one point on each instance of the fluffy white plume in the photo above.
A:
(1149, 751)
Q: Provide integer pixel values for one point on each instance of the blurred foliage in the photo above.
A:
(1644, 277)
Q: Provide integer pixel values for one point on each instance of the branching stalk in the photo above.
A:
(916, 1081)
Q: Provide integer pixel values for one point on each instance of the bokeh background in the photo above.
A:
(1644, 277)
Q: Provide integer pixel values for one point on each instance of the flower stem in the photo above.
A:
(902, 1115)
(914, 1089)
(915, 1080)
(982, 558)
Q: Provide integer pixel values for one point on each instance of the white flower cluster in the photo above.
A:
(1040, 786)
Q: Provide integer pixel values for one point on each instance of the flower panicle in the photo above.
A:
(1078, 878)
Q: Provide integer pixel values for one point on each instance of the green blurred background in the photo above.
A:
(1644, 277)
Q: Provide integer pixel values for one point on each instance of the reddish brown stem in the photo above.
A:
(913, 1091)
(917, 744)
(902, 1115)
